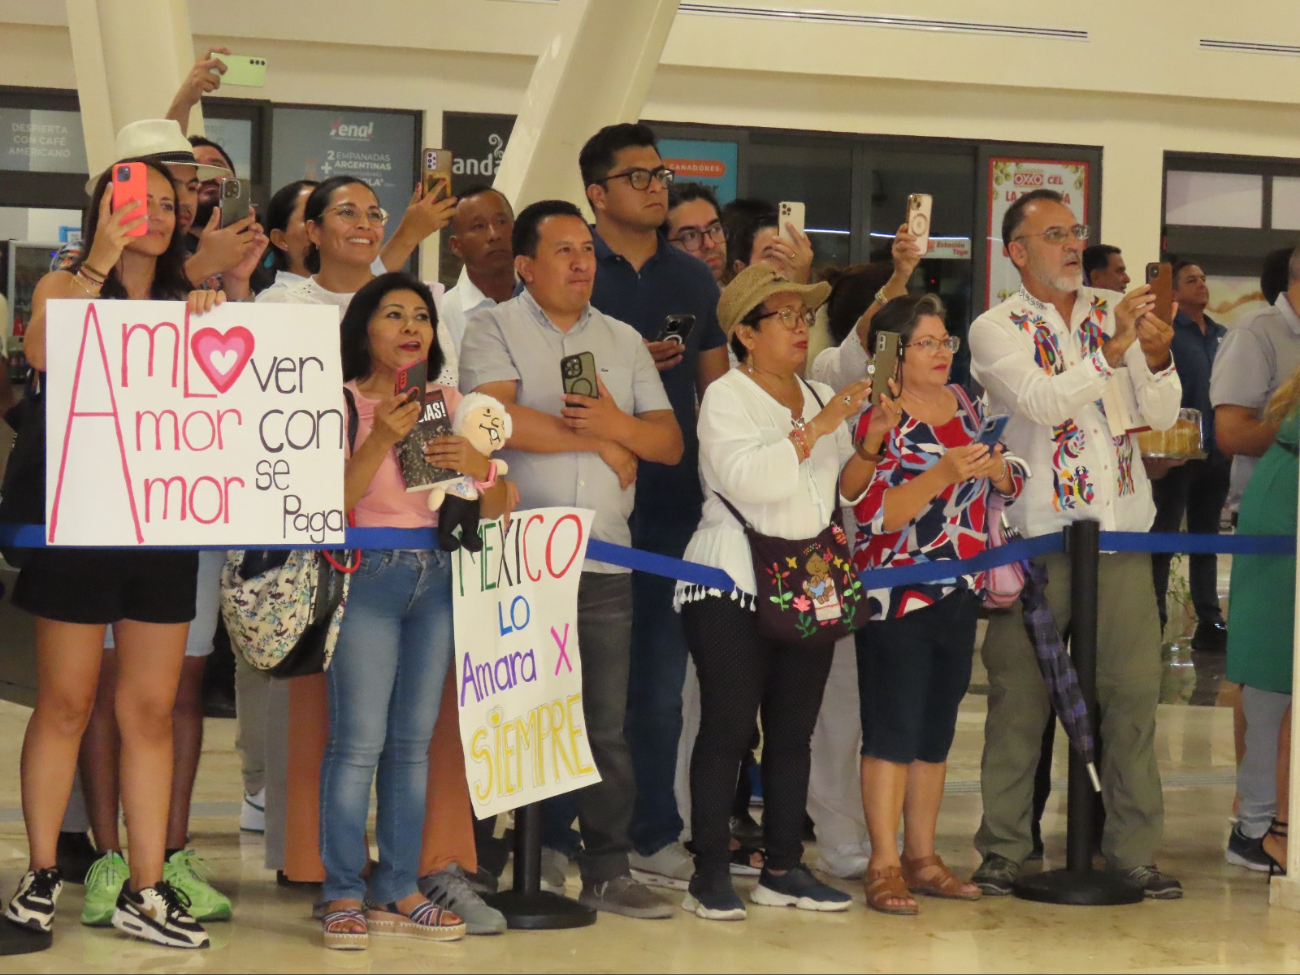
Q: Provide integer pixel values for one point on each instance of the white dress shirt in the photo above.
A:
(1050, 378)
(458, 305)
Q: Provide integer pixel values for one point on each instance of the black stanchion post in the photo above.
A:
(1079, 883)
(528, 907)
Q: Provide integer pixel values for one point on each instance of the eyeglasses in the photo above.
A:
(790, 318)
(375, 216)
(640, 178)
(1058, 235)
(692, 239)
(932, 346)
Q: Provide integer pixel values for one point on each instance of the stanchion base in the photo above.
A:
(1092, 888)
(22, 941)
(541, 911)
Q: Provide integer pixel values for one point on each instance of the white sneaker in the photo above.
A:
(555, 871)
(848, 862)
(672, 867)
(252, 814)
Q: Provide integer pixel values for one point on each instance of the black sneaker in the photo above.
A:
(74, 856)
(1210, 638)
(158, 914)
(713, 898)
(996, 875)
(798, 888)
(33, 903)
(1154, 883)
(1245, 852)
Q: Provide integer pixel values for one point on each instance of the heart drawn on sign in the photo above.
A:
(222, 357)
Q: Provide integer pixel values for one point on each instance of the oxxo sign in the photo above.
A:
(163, 429)
(518, 671)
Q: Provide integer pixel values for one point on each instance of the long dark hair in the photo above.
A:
(169, 280)
(355, 330)
(317, 204)
(278, 214)
(852, 292)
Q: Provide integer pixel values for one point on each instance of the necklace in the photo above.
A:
(796, 412)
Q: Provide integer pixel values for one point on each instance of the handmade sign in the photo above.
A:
(166, 429)
(518, 673)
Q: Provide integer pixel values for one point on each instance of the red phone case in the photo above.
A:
(135, 187)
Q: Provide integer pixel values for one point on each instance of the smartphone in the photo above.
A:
(886, 363)
(246, 71)
(676, 329)
(437, 173)
(235, 197)
(789, 212)
(1161, 278)
(579, 374)
(991, 431)
(919, 206)
(131, 185)
(411, 381)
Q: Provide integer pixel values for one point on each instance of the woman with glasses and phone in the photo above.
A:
(134, 250)
(926, 500)
(773, 449)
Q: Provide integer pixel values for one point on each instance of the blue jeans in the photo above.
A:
(385, 685)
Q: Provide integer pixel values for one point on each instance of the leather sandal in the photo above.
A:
(943, 883)
(427, 921)
(336, 925)
(884, 885)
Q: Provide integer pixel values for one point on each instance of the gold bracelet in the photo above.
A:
(82, 280)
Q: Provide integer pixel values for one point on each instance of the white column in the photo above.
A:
(595, 71)
(130, 57)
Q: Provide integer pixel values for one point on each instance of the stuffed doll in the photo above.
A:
(484, 422)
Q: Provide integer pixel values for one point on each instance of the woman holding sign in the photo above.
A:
(395, 647)
(133, 250)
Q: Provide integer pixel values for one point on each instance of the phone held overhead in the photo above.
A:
(919, 206)
(790, 212)
(244, 70)
(436, 178)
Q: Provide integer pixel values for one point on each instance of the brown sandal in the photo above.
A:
(944, 884)
(884, 884)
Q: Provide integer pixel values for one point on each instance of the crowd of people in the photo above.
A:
(765, 422)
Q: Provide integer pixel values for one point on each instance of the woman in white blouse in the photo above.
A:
(775, 453)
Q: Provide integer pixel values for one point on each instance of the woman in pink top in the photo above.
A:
(395, 645)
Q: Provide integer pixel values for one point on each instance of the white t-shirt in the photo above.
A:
(309, 292)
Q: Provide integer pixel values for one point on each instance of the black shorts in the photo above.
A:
(913, 672)
(107, 585)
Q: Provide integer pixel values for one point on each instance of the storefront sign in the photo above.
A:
(700, 161)
(377, 147)
(166, 429)
(949, 249)
(1009, 180)
(518, 672)
(477, 144)
(41, 141)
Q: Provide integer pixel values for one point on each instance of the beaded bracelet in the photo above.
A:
(800, 444)
(88, 284)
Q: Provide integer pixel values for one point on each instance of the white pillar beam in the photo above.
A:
(595, 71)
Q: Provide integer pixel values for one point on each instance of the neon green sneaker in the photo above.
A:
(185, 870)
(104, 882)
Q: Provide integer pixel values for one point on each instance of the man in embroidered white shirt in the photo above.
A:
(1075, 368)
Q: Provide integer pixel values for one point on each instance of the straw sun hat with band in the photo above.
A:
(160, 139)
(753, 286)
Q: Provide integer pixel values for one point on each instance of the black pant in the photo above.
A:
(740, 672)
(1199, 489)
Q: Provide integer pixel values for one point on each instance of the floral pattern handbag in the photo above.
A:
(807, 590)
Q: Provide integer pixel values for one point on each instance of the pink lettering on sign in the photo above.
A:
(222, 357)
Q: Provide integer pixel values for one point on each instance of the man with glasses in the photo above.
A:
(658, 289)
(694, 225)
(1056, 357)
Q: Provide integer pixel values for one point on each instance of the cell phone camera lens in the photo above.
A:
(124, 173)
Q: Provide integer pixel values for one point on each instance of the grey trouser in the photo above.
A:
(1257, 773)
(252, 691)
(1128, 689)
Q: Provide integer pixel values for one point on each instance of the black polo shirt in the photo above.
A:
(671, 282)
(1194, 354)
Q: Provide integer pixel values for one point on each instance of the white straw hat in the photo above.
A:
(160, 139)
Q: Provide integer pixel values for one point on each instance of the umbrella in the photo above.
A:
(1058, 671)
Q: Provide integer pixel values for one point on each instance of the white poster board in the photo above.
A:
(518, 672)
(165, 429)
(1009, 180)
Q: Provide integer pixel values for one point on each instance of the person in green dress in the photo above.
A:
(1262, 597)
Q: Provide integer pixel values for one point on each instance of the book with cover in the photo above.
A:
(434, 421)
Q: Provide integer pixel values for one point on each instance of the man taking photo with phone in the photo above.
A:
(1052, 357)
(580, 451)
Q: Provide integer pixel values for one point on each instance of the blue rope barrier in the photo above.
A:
(33, 536)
